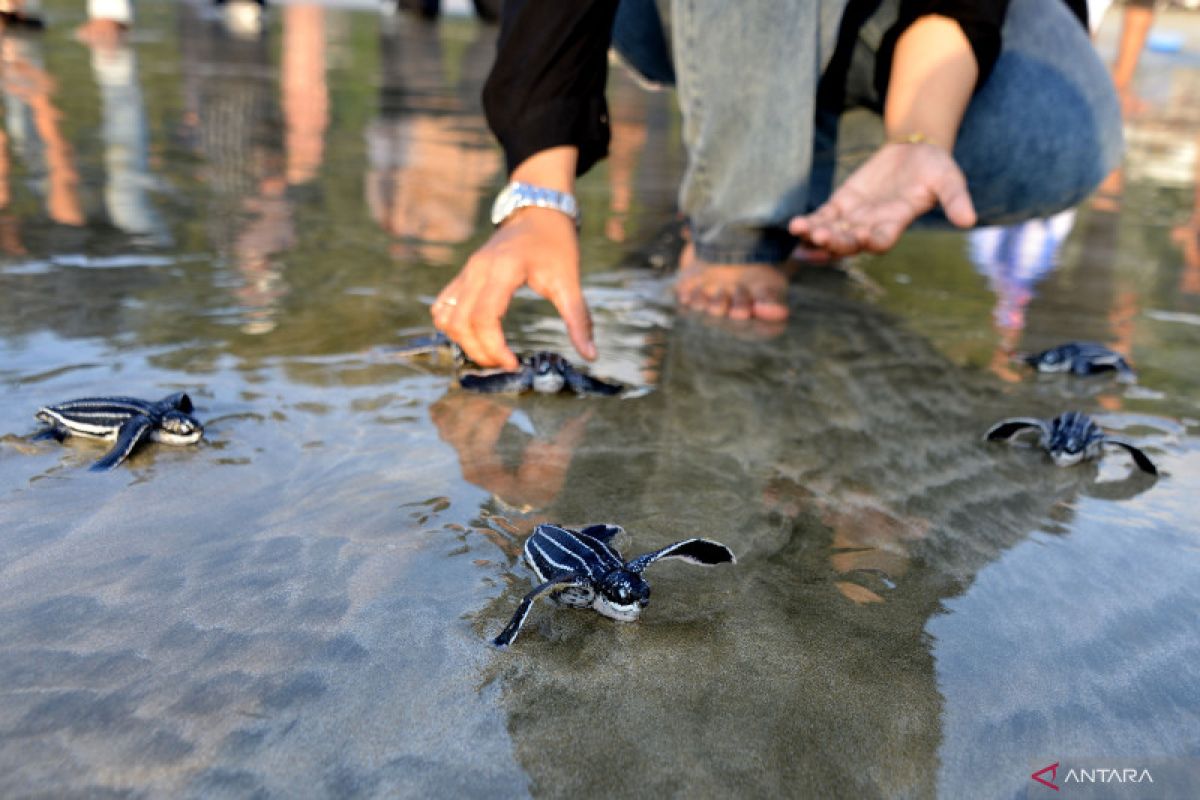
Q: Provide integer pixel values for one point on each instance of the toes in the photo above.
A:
(693, 298)
(736, 292)
(718, 303)
(742, 305)
(769, 305)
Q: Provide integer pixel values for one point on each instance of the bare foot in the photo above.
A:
(735, 291)
(899, 183)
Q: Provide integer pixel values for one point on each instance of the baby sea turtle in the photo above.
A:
(126, 419)
(1080, 358)
(1069, 438)
(581, 568)
(543, 372)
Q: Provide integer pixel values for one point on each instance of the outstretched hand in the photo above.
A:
(536, 247)
(897, 184)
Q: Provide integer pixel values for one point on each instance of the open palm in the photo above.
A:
(899, 183)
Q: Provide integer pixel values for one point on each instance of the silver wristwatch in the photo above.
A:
(519, 195)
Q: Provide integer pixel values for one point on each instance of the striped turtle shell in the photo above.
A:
(581, 568)
(127, 420)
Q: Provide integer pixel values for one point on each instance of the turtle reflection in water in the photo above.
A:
(542, 372)
(581, 568)
(436, 347)
(1080, 358)
(1069, 438)
(127, 420)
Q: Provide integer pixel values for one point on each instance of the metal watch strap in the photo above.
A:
(517, 195)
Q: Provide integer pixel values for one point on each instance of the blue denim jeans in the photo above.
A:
(1037, 138)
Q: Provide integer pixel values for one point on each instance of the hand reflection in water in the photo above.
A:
(473, 425)
(868, 537)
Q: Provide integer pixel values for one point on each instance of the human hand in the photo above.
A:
(537, 247)
(899, 183)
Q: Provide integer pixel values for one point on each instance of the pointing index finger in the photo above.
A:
(574, 311)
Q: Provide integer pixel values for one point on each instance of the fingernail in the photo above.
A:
(589, 351)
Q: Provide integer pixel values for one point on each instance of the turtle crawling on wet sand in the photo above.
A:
(1069, 438)
(581, 568)
(542, 372)
(127, 420)
(1080, 358)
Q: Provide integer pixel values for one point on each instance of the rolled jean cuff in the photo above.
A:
(746, 246)
(117, 10)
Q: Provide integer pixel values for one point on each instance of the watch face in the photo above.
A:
(504, 205)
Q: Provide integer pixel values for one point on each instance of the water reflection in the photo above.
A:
(430, 159)
(1186, 236)
(852, 519)
(34, 126)
(1015, 258)
(129, 183)
(232, 119)
(314, 586)
(305, 93)
(524, 467)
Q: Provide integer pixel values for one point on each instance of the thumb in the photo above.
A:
(952, 194)
(574, 311)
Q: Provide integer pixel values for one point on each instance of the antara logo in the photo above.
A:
(1053, 770)
(1096, 775)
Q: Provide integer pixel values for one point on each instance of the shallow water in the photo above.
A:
(301, 604)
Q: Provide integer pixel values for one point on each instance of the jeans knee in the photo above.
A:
(1039, 142)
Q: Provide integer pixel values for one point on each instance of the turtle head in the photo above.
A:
(548, 372)
(178, 428)
(1049, 360)
(1071, 435)
(622, 595)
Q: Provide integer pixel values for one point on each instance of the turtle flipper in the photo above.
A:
(56, 432)
(583, 384)
(560, 581)
(129, 437)
(704, 552)
(178, 401)
(1139, 457)
(499, 382)
(605, 533)
(1008, 428)
(1095, 366)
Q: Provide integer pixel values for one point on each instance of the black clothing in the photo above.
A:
(546, 87)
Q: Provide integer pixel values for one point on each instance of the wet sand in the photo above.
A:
(301, 604)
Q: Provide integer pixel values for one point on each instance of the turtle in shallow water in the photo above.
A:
(1080, 358)
(1069, 438)
(581, 568)
(543, 372)
(126, 419)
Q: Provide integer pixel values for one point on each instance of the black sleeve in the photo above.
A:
(980, 20)
(546, 87)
